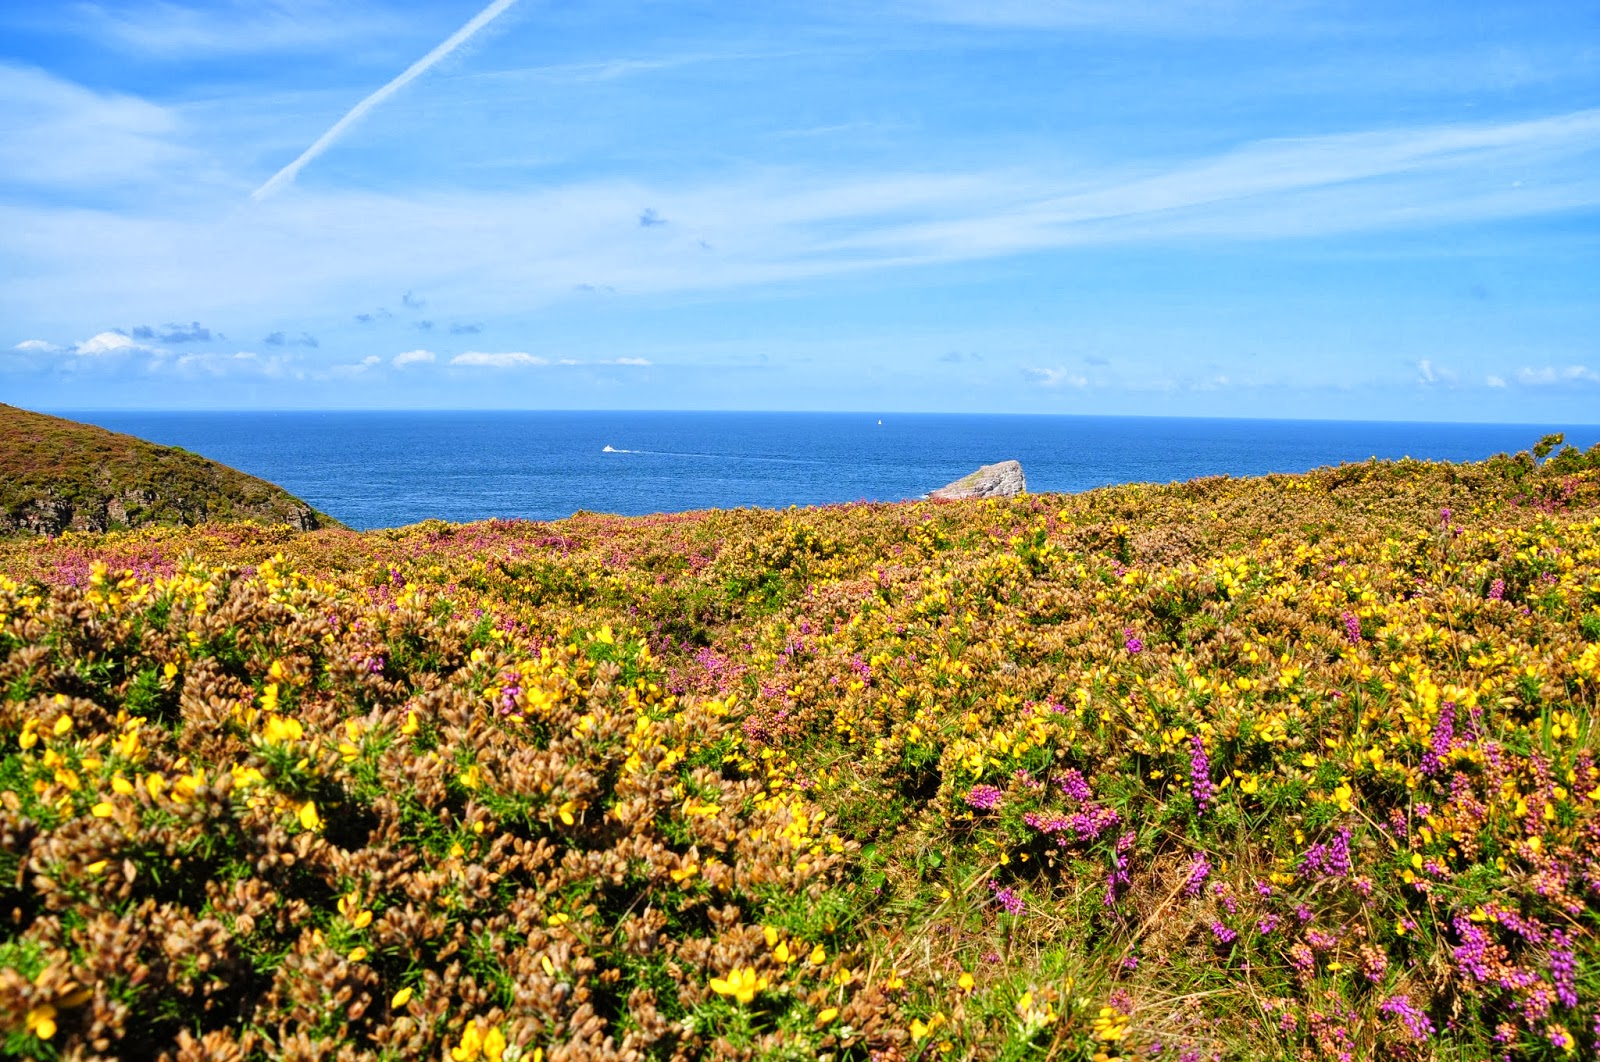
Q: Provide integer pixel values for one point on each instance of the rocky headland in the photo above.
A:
(60, 475)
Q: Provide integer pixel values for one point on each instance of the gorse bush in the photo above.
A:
(1300, 767)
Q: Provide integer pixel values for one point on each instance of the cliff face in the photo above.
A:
(58, 475)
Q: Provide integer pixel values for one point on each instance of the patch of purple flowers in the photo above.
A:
(511, 689)
(1563, 968)
(1200, 775)
(1352, 627)
(1472, 954)
(1444, 734)
(1093, 821)
(984, 797)
(1072, 784)
(1006, 898)
(1199, 871)
(1416, 1022)
(1330, 860)
(1085, 825)
(1119, 877)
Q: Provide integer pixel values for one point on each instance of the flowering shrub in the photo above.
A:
(1293, 767)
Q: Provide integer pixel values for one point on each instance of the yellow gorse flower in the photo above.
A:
(742, 984)
(41, 1021)
(185, 787)
(475, 1044)
(1110, 1025)
(278, 730)
(350, 907)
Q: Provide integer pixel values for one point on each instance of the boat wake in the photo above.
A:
(609, 449)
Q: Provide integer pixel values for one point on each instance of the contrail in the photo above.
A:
(412, 72)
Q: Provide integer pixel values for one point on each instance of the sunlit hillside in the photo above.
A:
(1293, 767)
(61, 475)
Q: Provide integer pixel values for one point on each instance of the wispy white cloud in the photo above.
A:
(1191, 16)
(1429, 373)
(413, 357)
(1388, 179)
(1549, 375)
(1057, 377)
(105, 343)
(114, 354)
(241, 363)
(495, 252)
(1494, 381)
(224, 27)
(633, 361)
(357, 368)
(615, 69)
(59, 134)
(359, 111)
(509, 360)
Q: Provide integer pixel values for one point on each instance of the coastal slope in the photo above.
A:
(60, 475)
(1300, 767)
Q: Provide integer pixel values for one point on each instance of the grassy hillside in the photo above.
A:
(57, 475)
(1293, 767)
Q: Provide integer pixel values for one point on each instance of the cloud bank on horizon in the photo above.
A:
(1189, 209)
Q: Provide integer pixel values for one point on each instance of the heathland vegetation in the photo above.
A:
(1291, 767)
(58, 475)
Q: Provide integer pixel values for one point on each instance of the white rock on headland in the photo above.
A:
(1000, 480)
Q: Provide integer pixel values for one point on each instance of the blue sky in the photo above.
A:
(1203, 207)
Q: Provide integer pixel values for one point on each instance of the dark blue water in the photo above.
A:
(389, 469)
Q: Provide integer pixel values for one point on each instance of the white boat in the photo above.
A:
(608, 449)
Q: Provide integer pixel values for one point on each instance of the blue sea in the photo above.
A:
(388, 469)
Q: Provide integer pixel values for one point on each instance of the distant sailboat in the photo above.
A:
(609, 449)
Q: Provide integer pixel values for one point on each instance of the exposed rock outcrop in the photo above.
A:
(59, 475)
(1000, 480)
